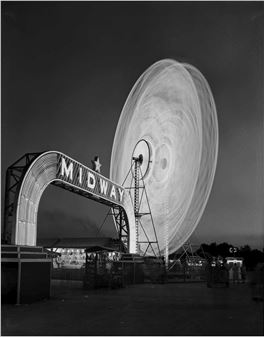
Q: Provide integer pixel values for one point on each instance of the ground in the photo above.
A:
(149, 309)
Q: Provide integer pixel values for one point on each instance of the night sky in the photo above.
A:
(67, 69)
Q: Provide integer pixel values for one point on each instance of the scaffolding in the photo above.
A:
(14, 177)
(137, 190)
(188, 253)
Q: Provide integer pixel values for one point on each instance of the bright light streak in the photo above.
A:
(171, 107)
(41, 173)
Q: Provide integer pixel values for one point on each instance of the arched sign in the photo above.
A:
(57, 168)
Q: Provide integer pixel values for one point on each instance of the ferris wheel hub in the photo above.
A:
(142, 153)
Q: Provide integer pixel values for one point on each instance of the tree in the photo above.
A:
(223, 249)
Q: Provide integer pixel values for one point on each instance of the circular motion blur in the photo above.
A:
(169, 122)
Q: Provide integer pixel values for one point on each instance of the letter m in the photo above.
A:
(66, 171)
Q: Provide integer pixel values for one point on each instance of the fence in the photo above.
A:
(182, 272)
(113, 274)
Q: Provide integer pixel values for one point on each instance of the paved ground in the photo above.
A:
(168, 309)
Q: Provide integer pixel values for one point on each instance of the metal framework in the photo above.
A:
(14, 176)
(120, 217)
(121, 223)
(136, 195)
(188, 252)
(137, 177)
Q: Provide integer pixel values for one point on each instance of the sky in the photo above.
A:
(68, 67)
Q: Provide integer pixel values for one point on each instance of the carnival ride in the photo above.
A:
(165, 152)
(164, 157)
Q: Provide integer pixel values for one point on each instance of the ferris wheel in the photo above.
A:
(165, 149)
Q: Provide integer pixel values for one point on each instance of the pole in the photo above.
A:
(136, 199)
(166, 237)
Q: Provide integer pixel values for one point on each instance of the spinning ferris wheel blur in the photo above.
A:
(168, 125)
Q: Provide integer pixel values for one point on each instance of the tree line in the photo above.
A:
(251, 257)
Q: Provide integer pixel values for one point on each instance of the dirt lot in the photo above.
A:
(147, 309)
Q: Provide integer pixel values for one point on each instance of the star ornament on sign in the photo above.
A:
(96, 164)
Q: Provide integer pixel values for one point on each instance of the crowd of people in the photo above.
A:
(219, 271)
(237, 273)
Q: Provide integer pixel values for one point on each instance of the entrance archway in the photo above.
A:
(56, 168)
